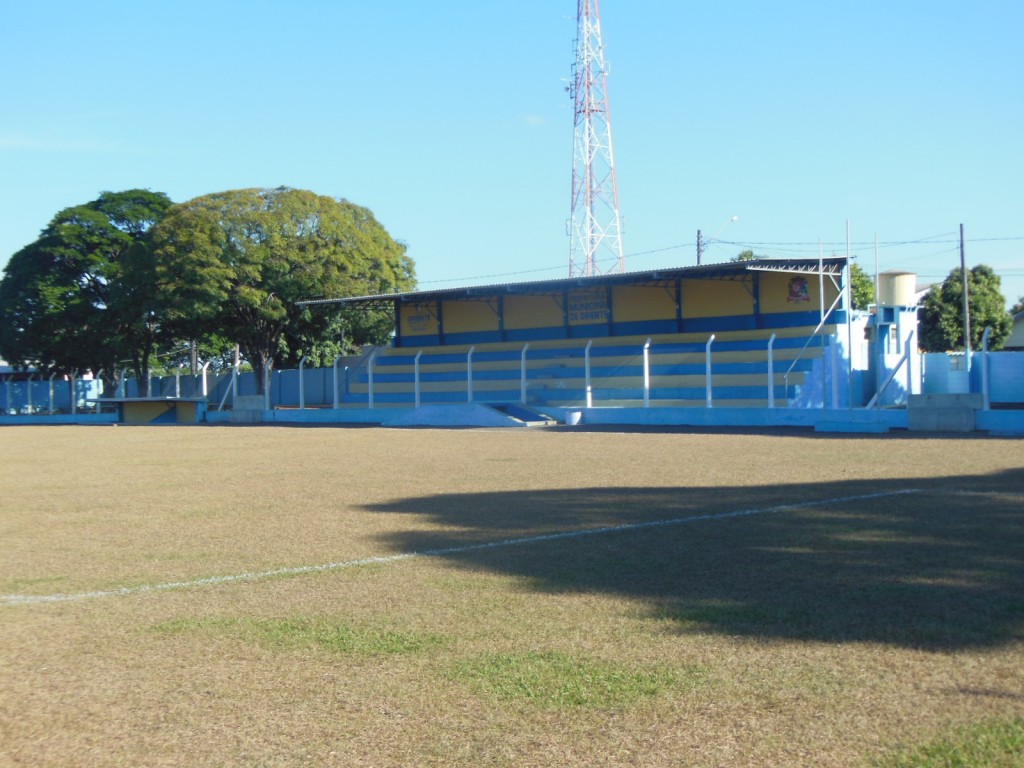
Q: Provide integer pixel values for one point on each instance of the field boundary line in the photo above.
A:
(439, 552)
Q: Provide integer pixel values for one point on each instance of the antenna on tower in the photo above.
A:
(595, 232)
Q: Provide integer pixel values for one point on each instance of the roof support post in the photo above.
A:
(771, 372)
(469, 375)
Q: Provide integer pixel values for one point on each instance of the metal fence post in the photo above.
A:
(334, 379)
(302, 383)
(266, 384)
(707, 371)
(647, 373)
(369, 377)
(771, 372)
(586, 365)
(986, 402)
(522, 374)
(416, 377)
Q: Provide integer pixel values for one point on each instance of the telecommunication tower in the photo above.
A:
(595, 231)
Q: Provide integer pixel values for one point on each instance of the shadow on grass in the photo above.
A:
(938, 569)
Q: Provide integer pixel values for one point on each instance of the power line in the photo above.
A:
(796, 246)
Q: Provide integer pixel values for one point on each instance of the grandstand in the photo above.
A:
(741, 334)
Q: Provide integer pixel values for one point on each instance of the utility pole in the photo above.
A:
(967, 312)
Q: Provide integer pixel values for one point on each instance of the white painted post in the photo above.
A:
(369, 377)
(522, 374)
(123, 383)
(469, 374)
(647, 373)
(266, 384)
(986, 403)
(234, 382)
(302, 383)
(206, 388)
(833, 354)
(707, 371)
(28, 386)
(334, 379)
(51, 391)
(771, 372)
(416, 376)
(586, 368)
(177, 381)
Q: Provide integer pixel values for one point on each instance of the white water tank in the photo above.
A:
(897, 289)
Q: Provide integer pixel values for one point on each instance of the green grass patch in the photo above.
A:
(993, 744)
(553, 680)
(328, 634)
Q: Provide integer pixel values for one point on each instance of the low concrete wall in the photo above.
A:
(942, 412)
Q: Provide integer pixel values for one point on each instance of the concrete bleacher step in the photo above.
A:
(529, 416)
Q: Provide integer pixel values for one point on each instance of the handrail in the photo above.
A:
(892, 375)
(818, 327)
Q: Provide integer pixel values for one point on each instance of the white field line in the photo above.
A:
(442, 552)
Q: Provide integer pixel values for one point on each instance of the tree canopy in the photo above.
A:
(236, 263)
(941, 320)
(79, 297)
(862, 287)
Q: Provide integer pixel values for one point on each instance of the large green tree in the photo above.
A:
(941, 318)
(237, 263)
(80, 298)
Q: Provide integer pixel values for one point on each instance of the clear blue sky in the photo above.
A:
(450, 120)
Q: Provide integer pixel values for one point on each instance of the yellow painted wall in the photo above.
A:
(470, 316)
(782, 292)
(716, 298)
(634, 303)
(533, 312)
(418, 320)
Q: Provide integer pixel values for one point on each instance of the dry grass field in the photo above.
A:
(547, 597)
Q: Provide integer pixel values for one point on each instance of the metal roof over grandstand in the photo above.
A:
(732, 270)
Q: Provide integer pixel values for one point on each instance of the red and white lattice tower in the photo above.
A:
(595, 230)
